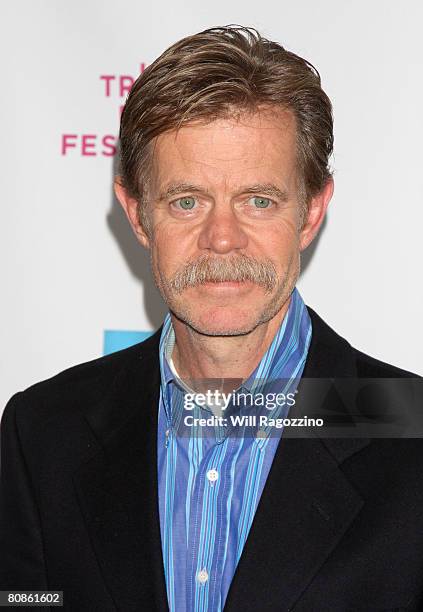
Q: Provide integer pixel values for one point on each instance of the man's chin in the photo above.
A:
(225, 317)
(222, 330)
(220, 324)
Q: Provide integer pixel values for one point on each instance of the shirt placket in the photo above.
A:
(208, 522)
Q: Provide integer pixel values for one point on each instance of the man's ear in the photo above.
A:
(315, 214)
(130, 206)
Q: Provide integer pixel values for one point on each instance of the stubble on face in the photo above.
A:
(237, 268)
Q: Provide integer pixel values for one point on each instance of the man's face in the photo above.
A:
(224, 196)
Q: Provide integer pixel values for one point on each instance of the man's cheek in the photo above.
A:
(165, 260)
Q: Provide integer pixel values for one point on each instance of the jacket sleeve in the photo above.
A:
(22, 563)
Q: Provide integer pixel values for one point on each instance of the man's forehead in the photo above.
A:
(230, 130)
(227, 147)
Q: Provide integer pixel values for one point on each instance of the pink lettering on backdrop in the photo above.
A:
(88, 144)
(109, 143)
(68, 142)
(92, 145)
(125, 83)
(107, 78)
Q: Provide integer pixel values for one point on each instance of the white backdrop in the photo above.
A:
(72, 269)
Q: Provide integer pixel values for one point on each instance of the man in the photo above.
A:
(123, 495)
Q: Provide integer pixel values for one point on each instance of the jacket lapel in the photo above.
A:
(307, 503)
(117, 489)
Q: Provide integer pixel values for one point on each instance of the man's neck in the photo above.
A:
(197, 356)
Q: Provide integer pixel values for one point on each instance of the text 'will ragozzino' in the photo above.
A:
(218, 402)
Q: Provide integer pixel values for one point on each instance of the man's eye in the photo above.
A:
(261, 202)
(186, 203)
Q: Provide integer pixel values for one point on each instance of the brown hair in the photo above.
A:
(217, 73)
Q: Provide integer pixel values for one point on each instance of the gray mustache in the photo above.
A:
(235, 268)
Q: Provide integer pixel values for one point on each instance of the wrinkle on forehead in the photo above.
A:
(227, 146)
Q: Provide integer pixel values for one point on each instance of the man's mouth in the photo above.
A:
(227, 282)
(233, 284)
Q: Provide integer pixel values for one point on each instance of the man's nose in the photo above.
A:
(222, 231)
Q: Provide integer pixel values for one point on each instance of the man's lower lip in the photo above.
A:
(226, 284)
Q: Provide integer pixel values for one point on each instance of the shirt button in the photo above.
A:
(212, 475)
(202, 576)
(261, 434)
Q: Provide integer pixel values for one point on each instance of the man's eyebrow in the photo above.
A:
(178, 188)
(267, 189)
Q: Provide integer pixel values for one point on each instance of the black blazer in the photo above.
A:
(339, 525)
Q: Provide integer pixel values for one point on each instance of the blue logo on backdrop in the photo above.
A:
(117, 339)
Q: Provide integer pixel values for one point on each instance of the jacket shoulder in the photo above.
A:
(369, 367)
(78, 386)
(335, 356)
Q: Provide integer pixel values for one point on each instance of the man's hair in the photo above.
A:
(221, 73)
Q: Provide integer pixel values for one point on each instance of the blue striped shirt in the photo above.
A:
(211, 476)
